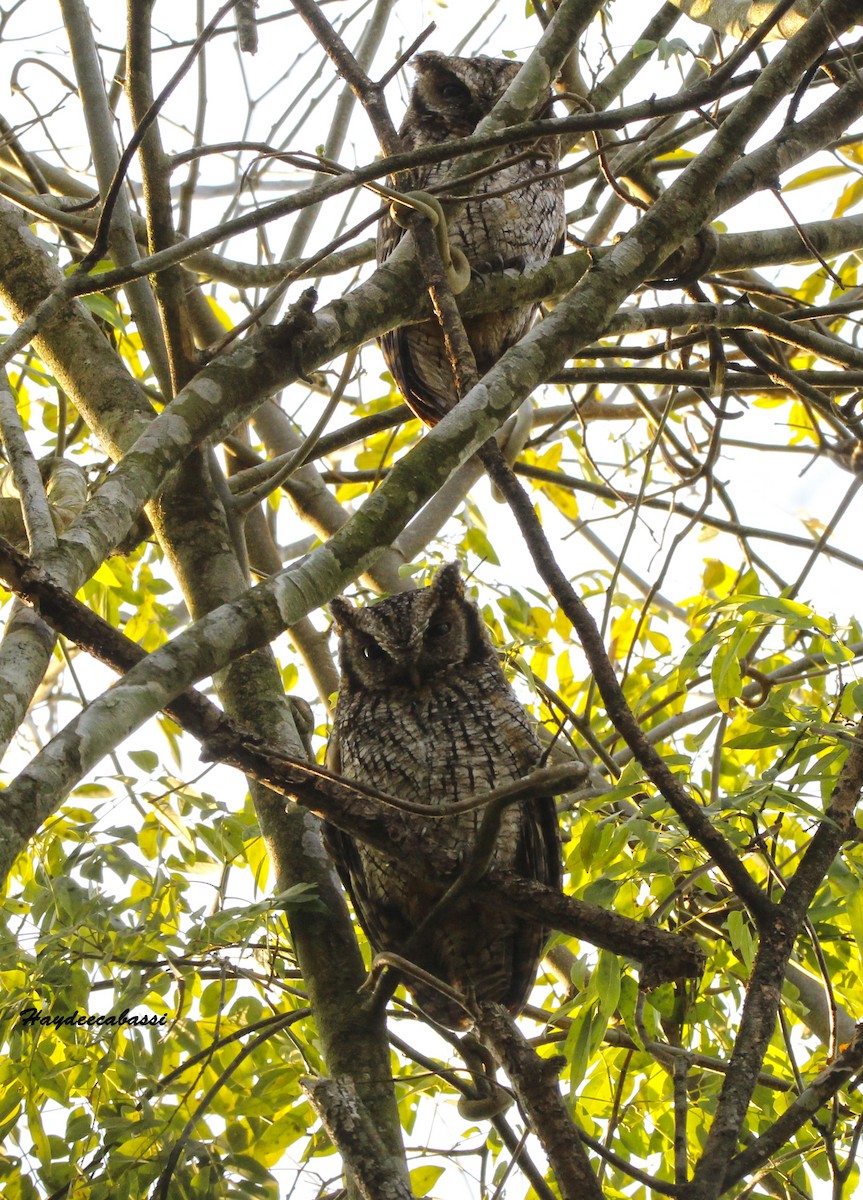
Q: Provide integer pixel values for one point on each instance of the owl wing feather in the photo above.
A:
(427, 403)
(383, 923)
(499, 953)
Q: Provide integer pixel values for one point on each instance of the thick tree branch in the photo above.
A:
(352, 1131)
(534, 1080)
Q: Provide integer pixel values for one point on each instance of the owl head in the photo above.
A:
(456, 93)
(412, 639)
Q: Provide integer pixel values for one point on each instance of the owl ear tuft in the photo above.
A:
(342, 612)
(448, 581)
(427, 61)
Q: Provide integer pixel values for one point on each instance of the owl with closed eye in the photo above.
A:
(514, 217)
(425, 714)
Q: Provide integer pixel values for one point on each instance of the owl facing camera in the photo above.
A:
(426, 715)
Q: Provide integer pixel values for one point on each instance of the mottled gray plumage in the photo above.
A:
(425, 714)
(515, 218)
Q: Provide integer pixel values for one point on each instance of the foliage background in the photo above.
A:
(693, 456)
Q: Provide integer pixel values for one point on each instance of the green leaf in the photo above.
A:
(298, 895)
(608, 982)
(759, 739)
(643, 47)
(740, 936)
(147, 760)
(727, 681)
(168, 817)
(102, 306)
(853, 694)
(714, 573)
(695, 656)
(476, 540)
(423, 1179)
(579, 1043)
(855, 916)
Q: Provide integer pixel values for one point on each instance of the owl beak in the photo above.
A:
(406, 656)
(410, 667)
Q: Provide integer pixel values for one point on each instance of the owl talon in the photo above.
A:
(498, 265)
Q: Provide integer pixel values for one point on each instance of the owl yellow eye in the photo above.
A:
(439, 629)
